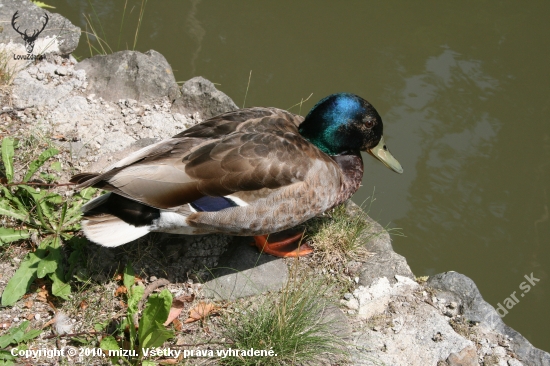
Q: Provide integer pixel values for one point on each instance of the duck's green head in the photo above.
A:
(346, 123)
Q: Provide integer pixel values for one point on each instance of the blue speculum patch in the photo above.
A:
(212, 204)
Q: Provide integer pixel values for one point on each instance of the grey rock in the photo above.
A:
(145, 77)
(201, 96)
(59, 37)
(454, 286)
(243, 271)
(62, 71)
(385, 262)
(340, 324)
(28, 91)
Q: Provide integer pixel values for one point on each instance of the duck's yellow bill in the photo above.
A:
(382, 153)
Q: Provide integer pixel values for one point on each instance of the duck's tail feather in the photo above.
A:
(112, 220)
(110, 231)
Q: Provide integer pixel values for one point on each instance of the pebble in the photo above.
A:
(61, 71)
(514, 362)
(36, 316)
(348, 296)
(499, 351)
(453, 305)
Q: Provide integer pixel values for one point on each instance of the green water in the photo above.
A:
(463, 88)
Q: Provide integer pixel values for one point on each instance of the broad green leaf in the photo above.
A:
(35, 165)
(54, 198)
(6, 359)
(135, 294)
(56, 165)
(87, 193)
(48, 264)
(8, 148)
(134, 298)
(109, 343)
(31, 334)
(19, 284)
(155, 335)
(156, 311)
(9, 337)
(60, 288)
(8, 235)
(129, 277)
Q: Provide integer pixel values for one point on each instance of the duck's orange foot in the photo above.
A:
(284, 247)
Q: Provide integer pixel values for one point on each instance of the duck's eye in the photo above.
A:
(369, 123)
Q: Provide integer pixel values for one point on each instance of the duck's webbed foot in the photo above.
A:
(283, 245)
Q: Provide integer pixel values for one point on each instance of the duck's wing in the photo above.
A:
(246, 150)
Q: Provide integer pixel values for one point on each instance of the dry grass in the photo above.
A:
(334, 236)
(6, 70)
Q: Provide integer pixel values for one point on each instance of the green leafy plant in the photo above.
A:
(150, 332)
(15, 336)
(30, 211)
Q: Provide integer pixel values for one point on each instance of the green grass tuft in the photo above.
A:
(295, 324)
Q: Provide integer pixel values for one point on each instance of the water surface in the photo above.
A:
(464, 91)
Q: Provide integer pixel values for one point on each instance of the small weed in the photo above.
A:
(293, 323)
(30, 211)
(15, 337)
(148, 334)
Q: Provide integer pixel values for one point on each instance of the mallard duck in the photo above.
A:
(253, 171)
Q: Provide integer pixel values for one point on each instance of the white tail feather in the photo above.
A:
(110, 231)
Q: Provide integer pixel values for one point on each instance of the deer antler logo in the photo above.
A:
(29, 39)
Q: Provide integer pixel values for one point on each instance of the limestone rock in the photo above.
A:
(385, 262)
(59, 36)
(145, 77)
(201, 96)
(454, 286)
